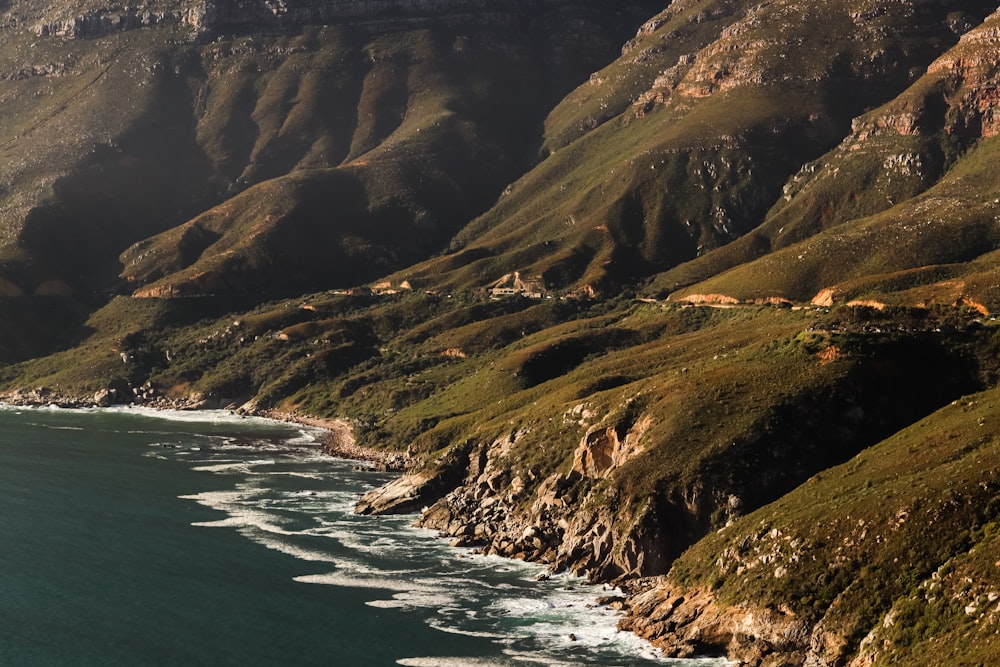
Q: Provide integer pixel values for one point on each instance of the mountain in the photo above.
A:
(696, 296)
(377, 130)
(686, 142)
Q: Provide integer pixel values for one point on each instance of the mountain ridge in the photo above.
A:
(679, 318)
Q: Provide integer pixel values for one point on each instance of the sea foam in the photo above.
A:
(448, 661)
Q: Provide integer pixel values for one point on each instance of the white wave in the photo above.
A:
(308, 436)
(449, 661)
(285, 547)
(387, 604)
(308, 493)
(352, 580)
(232, 466)
(246, 520)
(444, 626)
(536, 659)
(195, 416)
(318, 476)
(244, 514)
(527, 569)
(257, 521)
(352, 539)
(427, 597)
(51, 407)
(216, 499)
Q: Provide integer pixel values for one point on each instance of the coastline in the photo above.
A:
(338, 441)
(337, 438)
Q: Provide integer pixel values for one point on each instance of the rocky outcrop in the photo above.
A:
(570, 521)
(958, 94)
(107, 21)
(416, 489)
(209, 17)
(401, 496)
(686, 623)
(602, 450)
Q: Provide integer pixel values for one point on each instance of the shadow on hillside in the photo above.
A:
(33, 326)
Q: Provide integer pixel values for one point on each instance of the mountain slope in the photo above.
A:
(423, 105)
(686, 142)
(887, 559)
(786, 461)
(906, 204)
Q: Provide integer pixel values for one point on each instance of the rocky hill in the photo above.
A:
(696, 296)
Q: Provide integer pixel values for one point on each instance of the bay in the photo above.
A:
(130, 537)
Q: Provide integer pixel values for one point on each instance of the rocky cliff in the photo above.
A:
(207, 20)
(695, 296)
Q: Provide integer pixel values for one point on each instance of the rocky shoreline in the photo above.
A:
(464, 508)
(337, 439)
(478, 504)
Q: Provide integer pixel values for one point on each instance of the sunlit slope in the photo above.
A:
(905, 209)
(888, 559)
(686, 142)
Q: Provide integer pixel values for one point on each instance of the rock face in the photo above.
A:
(602, 450)
(207, 19)
(689, 623)
(100, 23)
(555, 520)
(401, 496)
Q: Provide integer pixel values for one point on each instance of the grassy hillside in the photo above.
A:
(889, 556)
(744, 274)
(119, 128)
(686, 142)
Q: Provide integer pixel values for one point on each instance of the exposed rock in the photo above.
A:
(416, 489)
(686, 623)
(104, 398)
(601, 450)
(118, 392)
(719, 299)
(515, 284)
(595, 455)
(400, 496)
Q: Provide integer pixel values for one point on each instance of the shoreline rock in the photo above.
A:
(685, 623)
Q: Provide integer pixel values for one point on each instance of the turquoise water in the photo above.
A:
(128, 538)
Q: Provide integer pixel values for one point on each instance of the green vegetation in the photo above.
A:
(879, 537)
(764, 237)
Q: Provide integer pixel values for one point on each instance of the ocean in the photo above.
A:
(132, 537)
